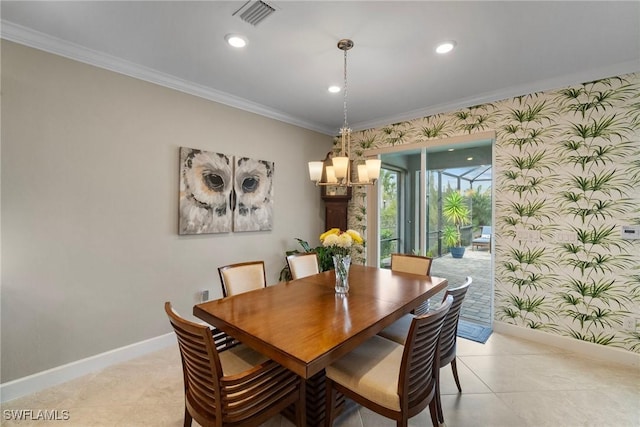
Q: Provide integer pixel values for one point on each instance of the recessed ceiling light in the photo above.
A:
(451, 149)
(235, 40)
(445, 47)
(469, 158)
(334, 89)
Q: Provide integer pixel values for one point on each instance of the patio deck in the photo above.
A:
(476, 307)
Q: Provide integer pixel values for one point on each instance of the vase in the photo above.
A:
(341, 265)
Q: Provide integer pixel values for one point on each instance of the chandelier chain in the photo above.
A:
(345, 89)
(338, 172)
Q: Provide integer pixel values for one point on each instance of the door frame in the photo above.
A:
(373, 234)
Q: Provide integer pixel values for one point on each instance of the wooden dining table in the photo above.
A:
(305, 326)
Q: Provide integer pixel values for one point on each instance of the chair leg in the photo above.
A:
(187, 418)
(434, 412)
(438, 399)
(330, 396)
(454, 368)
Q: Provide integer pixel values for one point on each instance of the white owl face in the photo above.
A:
(206, 184)
(253, 187)
(208, 179)
(212, 193)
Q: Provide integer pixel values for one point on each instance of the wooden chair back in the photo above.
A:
(408, 263)
(420, 360)
(450, 327)
(303, 264)
(247, 398)
(242, 277)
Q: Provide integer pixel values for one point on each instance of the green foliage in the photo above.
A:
(450, 236)
(481, 206)
(456, 212)
(600, 338)
(433, 131)
(536, 112)
(388, 212)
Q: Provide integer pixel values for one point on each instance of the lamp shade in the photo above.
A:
(315, 171)
(340, 165)
(363, 174)
(373, 168)
(331, 174)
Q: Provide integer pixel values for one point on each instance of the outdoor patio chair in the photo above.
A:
(484, 240)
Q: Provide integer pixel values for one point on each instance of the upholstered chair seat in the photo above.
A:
(397, 332)
(397, 381)
(375, 378)
(240, 358)
(232, 386)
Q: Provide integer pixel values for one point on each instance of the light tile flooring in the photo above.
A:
(506, 382)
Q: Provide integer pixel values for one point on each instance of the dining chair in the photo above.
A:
(397, 332)
(415, 264)
(408, 263)
(242, 277)
(396, 381)
(236, 387)
(303, 264)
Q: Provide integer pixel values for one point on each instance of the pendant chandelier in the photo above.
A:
(338, 173)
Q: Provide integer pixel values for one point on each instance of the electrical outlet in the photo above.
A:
(532, 236)
(566, 237)
(630, 324)
(204, 295)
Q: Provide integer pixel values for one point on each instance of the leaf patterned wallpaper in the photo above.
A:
(567, 165)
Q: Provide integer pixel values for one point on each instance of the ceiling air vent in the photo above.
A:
(254, 11)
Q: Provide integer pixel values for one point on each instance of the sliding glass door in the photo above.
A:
(410, 196)
(408, 216)
(391, 208)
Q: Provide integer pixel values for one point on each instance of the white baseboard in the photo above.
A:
(586, 349)
(58, 375)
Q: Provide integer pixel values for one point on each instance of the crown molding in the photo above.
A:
(35, 39)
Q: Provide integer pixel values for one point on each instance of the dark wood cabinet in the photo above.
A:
(336, 209)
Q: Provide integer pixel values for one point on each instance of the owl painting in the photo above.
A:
(218, 194)
(206, 184)
(253, 188)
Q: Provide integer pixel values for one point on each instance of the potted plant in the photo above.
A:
(456, 212)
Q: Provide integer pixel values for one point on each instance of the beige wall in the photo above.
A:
(90, 249)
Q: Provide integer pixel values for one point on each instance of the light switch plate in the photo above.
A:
(630, 232)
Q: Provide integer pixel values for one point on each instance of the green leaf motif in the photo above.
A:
(601, 338)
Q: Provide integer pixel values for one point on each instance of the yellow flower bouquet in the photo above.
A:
(339, 244)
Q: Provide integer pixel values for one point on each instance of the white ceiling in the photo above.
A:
(504, 49)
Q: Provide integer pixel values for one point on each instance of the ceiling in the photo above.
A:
(504, 49)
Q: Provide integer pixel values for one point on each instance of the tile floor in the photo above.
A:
(506, 382)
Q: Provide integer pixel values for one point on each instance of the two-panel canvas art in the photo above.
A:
(221, 193)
